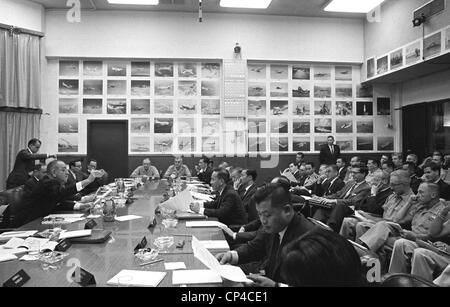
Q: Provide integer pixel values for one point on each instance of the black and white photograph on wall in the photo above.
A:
(210, 106)
(382, 65)
(140, 106)
(322, 108)
(432, 45)
(364, 108)
(210, 126)
(140, 125)
(257, 108)
(116, 106)
(364, 143)
(301, 126)
(345, 144)
(301, 72)
(186, 106)
(139, 144)
(210, 88)
(344, 126)
(279, 72)
(344, 90)
(164, 70)
(447, 39)
(301, 108)
(257, 71)
(322, 73)
(92, 68)
(210, 144)
(279, 107)
(370, 68)
(163, 106)
(322, 125)
(364, 126)
(163, 143)
(319, 141)
(68, 87)
(257, 126)
(140, 69)
(92, 106)
(344, 108)
(117, 87)
(344, 73)
(301, 90)
(322, 91)
(92, 87)
(279, 144)
(396, 59)
(413, 53)
(164, 88)
(163, 125)
(69, 68)
(211, 70)
(68, 105)
(68, 125)
(256, 89)
(385, 143)
(140, 88)
(301, 144)
(279, 126)
(186, 144)
(279, 89)
(187, 70)
(187, 125)
(257, 144)
(383, 106)
(364, 91)
(68, 143)
(187, 88)
(117, 69)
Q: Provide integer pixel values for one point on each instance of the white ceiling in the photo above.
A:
(311, 8)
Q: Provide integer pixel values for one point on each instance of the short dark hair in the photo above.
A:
(433, 166)
(301, 154)
(252, 173)
(92, 160)
(310, 163)
(334, 167)
(321, 258)
(330, 136)
(362, 168)
(205, 159)
(438, 153)
(374, 161)
(398, 155)
(278, 195)
(343, 159)
(223, 174)
(72, 163)
(34, 142)
(283, 182)
(389, 164)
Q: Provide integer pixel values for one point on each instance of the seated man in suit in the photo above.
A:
(75, 172)
(51, 191)
(330, 152)
(280, 224)
(309, 185)
(355, 161)
(204, 172)
(332, 184)
(248, 178)
(432, 173)
(146, 171)
(235, 175)
(38, 175)
(178, 169)
(98, 182)
(228, 206)
(341, 163)
(24, 165)
(352, 195)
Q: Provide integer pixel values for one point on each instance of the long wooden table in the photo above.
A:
(105, 260)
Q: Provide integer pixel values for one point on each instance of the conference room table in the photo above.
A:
(106, 260)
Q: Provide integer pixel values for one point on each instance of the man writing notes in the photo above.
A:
(146, 170)
(178, 169)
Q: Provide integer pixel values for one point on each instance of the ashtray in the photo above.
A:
(147, 254)
(52, 257)
(170, 223)
(163, 243)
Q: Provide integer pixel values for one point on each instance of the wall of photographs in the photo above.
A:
(171, 107)
(294, 107)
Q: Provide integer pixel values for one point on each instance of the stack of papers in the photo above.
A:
(179, 203)
(289, 176)
(193, 224)
(217, 245)
(172, 266)
(195, 277)
(201, 196)
(128, 218)
(137, 278)
(30, 244)
(17, 234)
(63, 218)
(75, 234)
(7, 257)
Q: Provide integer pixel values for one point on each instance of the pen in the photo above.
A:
(151, 262)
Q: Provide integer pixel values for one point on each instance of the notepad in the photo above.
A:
(138, 278)
(75, 234)
(216, 244)
(202, 224)
(172, 266)
(195, 277)
(128, 218)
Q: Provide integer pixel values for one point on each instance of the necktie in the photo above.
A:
(272, 261)
(349, 193)
(332, 150)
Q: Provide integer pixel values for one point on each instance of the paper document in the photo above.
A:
(203, 224)
(228, 272)
(181, 202)
(65, 216)
(195, 277)
(172, 266)
(289, 176)
(137, 278)
(7, 257)
(216, 244)
(201, 196)
(17, 234)
(75, 234)
(128, 218)
(31, 244)
(15, 251)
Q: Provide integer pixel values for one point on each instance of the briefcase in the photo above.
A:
(97, 237)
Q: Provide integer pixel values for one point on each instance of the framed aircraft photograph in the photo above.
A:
(163, 70)
(92, 87)
(364, 127)
(116, 106)
(68, 87)
(383, 106)
(385, 143)
(257, 89)
(140, 125)
(163, 125)
(382, 65)
(187, 144)
(301, 72)
(187, 88)
(210, 107)
(140, 88)
(344, 126)
(280, 126)
(432, 45)
(279, 144)
(257, 126)
(140, 106)
(68, 105)
(413, 53)
(117, 69)
(92, 106)
(257, 144)
(322, 90)
(211, 126)
(343, 73)
(257, 71)
(211, 70)
(187, 70)
(140, 69)
(117, 87)
(301, 108)
(370, 68)
(346, 144)
(301, 126)
(187, 106)
(92, 68)
(319, 141)
(164, 88)
(69, 68)
(210, 88)
(323, 125)
(301, 89)
(210, 144)
(279, 108)
(344, 108)
(322, 108)
(322, 73)
(68, 125)
(68, 143)
(163, 106)
(279, 89)
(186, 125)
(396, 59)
(139, 144)
(364, 143)
(163, 143)
(279, 72)
(301, 144)
(257, 108)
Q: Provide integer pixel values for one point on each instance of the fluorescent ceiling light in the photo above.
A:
(135, 2)
(352, 6)
(246, 4)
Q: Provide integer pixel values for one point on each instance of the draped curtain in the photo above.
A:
(20, 95)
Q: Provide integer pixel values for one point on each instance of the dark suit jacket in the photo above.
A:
(249, 202)
(343, 173)
(261, 247)
(227, 208)
(356, 198)
(326, 189)
(326, 157)
(205, 176)
(444, 190)
(78, 177)
(22, 167)
(30, 184)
